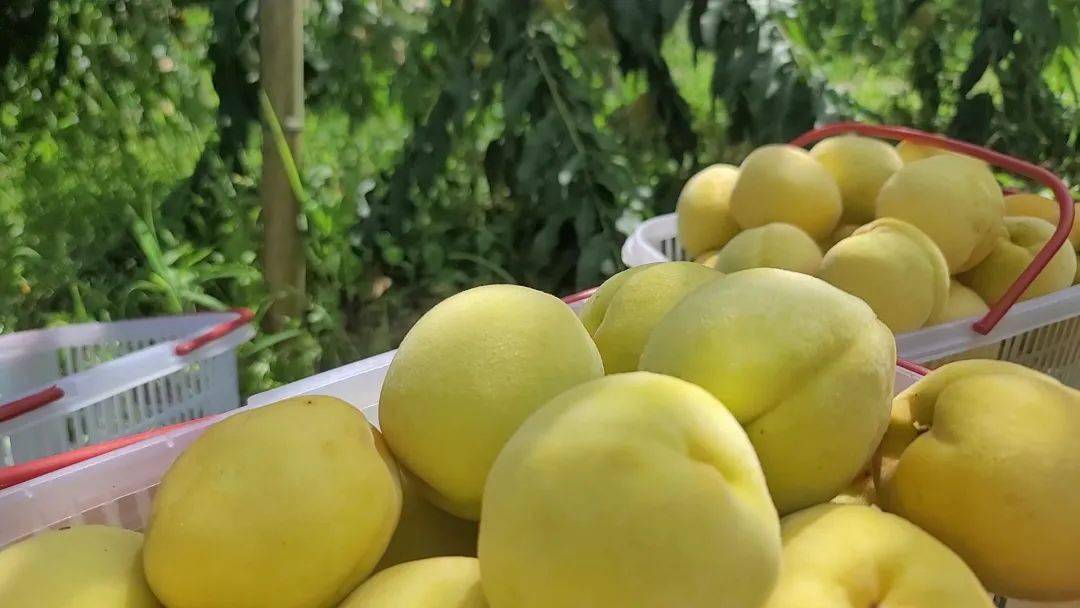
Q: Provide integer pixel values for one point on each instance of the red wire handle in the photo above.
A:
(16, 474)
(30, 402)
(1003, 161)
(243, 317)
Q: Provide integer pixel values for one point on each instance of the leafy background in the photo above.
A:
(450, 144)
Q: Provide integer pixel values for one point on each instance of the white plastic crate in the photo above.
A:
(1042, 333)
(117, 487)
(67, 387)
(114, 484)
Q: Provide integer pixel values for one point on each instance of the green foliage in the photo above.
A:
(450, 144)
(99, 118)
(543, 212)
(128, 172)
(1016, 43)
(566, 225)
(1002, 73)
(639, 28)
(767, 96)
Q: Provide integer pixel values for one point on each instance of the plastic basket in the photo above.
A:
(114, 483)
(1041, 333)
(99, 381)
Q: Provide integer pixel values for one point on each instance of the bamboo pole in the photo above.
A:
(281, 50)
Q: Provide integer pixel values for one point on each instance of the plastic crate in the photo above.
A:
(1041, 333)
(98, 381)
(114, 483)
(116, 486)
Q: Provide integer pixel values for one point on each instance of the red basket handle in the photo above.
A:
(30, 402)
(16, 474)
(1003, 161)
(243, 317)
(574, 298)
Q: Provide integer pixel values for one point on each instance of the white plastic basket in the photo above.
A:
(114, 483)
(1041, 333)
(117, 487)
(98, 381)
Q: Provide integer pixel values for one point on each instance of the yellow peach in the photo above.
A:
(895, 268)
(467, 374)
(770, 246)
(985, 462)
(704, 217)
(633, 490)
(854, 555)
(779, 183)
(953, 199)
(992, 277)
(777, 347)
(78, 567)
(629, 307)
(860, 166)
(438, 582)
